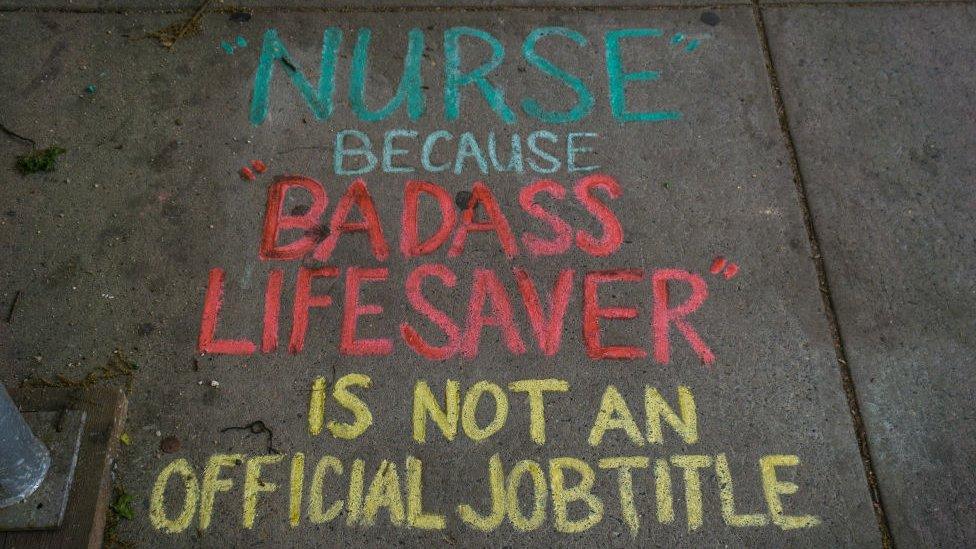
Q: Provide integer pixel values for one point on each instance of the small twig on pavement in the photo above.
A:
(256, 427)
(13, 306)
(16, 135)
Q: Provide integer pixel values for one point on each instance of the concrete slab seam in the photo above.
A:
(872, 4)
(381, 9)
(475, 9)
(847, 379)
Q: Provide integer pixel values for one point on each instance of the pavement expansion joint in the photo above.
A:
(816, 256)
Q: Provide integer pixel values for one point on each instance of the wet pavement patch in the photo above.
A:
(710, 18)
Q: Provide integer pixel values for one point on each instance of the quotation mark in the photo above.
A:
(723, 267)
(229, 48)
(247, 173)
(690, 46)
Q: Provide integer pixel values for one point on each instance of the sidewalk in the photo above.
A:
(749, 274)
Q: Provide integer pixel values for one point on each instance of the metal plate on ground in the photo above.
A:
(44, 509)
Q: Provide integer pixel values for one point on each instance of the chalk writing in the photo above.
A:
(447, 210)
(486, 288)
(477, 81)
(362, 488)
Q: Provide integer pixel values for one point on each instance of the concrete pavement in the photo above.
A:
(620, 212)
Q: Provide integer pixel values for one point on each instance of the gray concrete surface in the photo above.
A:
(885, 126)
(112, 251)
(332, 5)
(394, 5)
